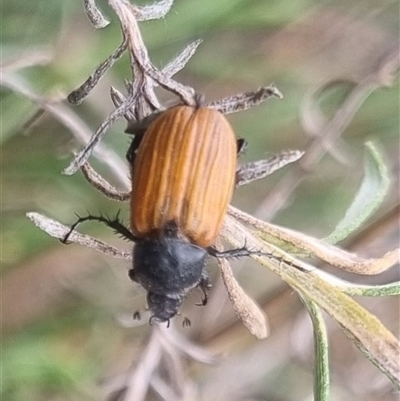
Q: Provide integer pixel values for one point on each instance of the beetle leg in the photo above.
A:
(132, 275)
(115, 224)
(243, 251)
(204, 285)
(138, 129)
(235, 253)
(241, 144)
(131, 154)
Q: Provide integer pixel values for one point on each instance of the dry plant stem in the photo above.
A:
(337, 125)
(156, 10)
(103, 186)
(138, 52)
(187, 348)
(28, 58)
(170, 343)
(78, 95)
(173, 383)
(313, 121)
(71, 121)
(164, 391)
(172, 364)
(94, 14)
(169, 70)
(84, 154)
(228, 105)
(326, 252)
(259, 169)
(167, 359)
(245, 101)
(138, 384)
(118, 98)
(32, 120)
(181, 59)
(144, 85)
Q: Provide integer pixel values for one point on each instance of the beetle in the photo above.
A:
(183, 169)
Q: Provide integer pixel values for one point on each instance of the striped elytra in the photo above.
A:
(184, 173)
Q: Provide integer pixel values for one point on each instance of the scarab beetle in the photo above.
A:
(183, 174)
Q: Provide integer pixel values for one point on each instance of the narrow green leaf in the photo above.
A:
(367, 332)
(373, 290)
(373, 339)
(369, 197)
(362, 290)
(321, 355)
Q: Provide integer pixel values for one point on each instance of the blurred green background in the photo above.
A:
(60, 304)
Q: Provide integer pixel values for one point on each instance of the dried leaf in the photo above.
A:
(246, 309)
(259, 169)
(301, 244)
(58, 230)
(368, 333)
(94, 14)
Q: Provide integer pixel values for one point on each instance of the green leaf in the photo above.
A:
(369, 197)
(383, 290)
(367, 332)
(321, 354)
(372, 338)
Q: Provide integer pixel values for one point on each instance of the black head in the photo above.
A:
(162, 307)
(168, 269)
